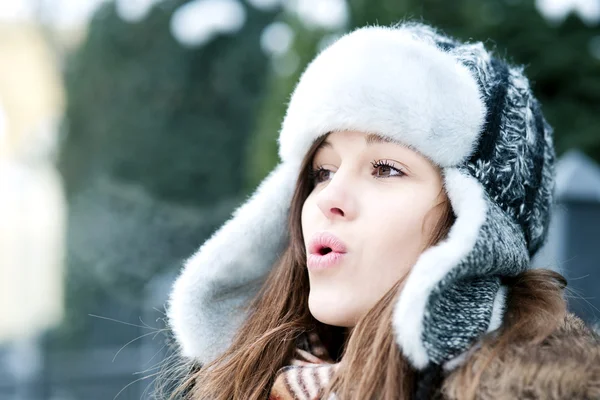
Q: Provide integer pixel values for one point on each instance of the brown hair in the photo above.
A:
(373, 365)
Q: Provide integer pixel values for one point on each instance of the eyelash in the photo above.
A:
(314, 173)
(386, 163)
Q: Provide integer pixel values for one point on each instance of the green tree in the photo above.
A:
(175, 120)
(153, 156)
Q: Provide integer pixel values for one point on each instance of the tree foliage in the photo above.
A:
(155, 137)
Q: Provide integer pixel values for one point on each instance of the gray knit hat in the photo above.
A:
(466, 110)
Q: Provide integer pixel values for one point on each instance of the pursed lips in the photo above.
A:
(325, 250)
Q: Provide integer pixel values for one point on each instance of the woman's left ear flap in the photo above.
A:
(226, 271)
(471, 306)
(450, 295)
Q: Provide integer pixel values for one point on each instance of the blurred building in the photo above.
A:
(31, 201)
(572, 247)
(31, 91)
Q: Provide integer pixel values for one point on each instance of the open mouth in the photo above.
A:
(325, 243)
(325, 250)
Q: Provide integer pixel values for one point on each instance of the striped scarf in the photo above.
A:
(309, 372)
(311, 369)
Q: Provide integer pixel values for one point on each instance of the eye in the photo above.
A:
(320, 174)
(385, 169)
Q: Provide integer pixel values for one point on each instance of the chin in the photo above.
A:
(330, 313)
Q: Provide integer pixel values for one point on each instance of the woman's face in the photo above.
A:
(377, 197)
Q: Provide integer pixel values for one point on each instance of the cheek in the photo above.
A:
(307, 217)
(395, 237)
(391, 246)
(395, 224)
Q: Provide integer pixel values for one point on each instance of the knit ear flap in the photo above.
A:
(228, 269)
(453, 294)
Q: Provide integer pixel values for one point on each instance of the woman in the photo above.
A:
(388, 255)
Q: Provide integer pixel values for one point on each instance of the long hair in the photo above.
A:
(371, 363)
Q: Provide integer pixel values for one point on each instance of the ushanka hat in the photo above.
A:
(469, 112)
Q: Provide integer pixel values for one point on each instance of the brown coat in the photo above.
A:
(565, 366)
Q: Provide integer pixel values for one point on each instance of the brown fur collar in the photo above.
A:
(565, 366)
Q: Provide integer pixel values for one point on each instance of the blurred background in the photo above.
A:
(130, 129)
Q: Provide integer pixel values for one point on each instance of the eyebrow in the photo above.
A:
(370, 139)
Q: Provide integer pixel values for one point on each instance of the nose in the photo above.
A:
(336, 200)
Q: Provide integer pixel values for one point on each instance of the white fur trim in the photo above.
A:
(459, 359)
(467, 198)
(498, 309)
(217, 278)
(384, 80)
